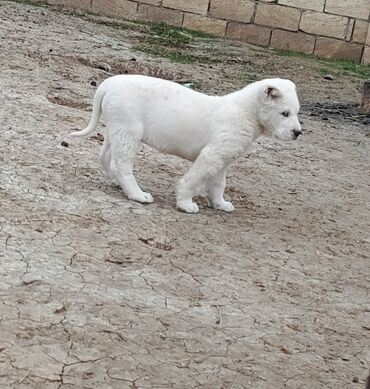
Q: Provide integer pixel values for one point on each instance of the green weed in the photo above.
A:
(334, 66)
(172, 55)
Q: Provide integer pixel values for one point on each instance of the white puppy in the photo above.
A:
(212, 131)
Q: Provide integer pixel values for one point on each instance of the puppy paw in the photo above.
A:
(187, 207)
(226, 206)
(143, 197)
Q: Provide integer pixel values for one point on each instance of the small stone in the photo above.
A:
(60, 309)
(93, 83)
(285, 350)
(189, 85)
(104, 66)
(99, 137)
(328, 77)
(30, 278)
(355, 380)
(65, 144)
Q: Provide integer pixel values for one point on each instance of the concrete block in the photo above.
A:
(115, 8)
(318, 23)
(278, 16)
(249, 33)
(151, 2)
(314, 5)
(355, 8)
(366, 56)
(157, 14)
(295, 41)
(334, 48)
(205, 24)
(360, 31)
(236, 10)
(194, 6)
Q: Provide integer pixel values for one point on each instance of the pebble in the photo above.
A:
(328, 77)
(93, 83)
(104, 66)
(30, 278)
(65, 144)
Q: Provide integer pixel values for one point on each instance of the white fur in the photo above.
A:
(211, 131)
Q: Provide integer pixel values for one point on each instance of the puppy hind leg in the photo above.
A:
(105, 158)
(123, 151)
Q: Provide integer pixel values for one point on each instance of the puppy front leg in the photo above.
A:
(208, 167)
(215, 192)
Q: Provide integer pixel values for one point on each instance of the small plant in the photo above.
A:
(335, 66)
(172, 35)
(323, 71)
(171, 42)
(289, 53)
(171, 54)
(350, 68)
(163, 34)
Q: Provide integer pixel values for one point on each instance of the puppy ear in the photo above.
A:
(272, 93)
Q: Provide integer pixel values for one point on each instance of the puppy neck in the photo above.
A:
(248, 100)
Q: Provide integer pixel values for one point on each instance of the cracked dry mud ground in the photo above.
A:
(100, 292)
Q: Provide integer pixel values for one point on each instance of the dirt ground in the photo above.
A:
(100, 292)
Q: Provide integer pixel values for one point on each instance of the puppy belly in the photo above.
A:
(170, 146)
(176, 139)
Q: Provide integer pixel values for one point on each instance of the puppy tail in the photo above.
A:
(98, 98)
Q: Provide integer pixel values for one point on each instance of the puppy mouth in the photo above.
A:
(285, 137)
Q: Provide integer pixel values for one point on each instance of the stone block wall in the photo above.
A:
(326, 28)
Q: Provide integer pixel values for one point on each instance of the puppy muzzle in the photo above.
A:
(297, 133)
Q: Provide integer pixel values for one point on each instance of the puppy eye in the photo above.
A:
(286, 114)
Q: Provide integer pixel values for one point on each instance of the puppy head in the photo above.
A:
(278, 110)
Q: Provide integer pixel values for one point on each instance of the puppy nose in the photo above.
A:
(297, 133)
